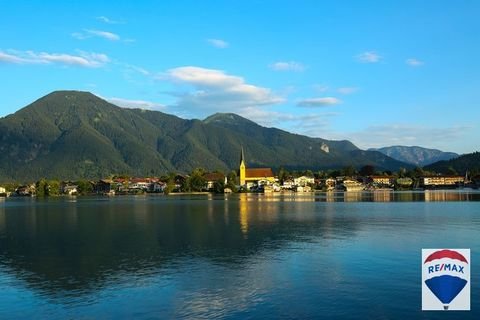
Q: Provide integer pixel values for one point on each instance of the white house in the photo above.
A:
(70, 190)
(303, 181)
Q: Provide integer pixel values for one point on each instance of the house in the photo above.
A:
(139, 184)
(441, 180)
(254, 176)
(158, 186)
(179, 181)
(27, 190)
(69, 189)
(327, 184)
(3, 190)
(381, 180)
(212, 178)
(303, 188)
(303, 181)
(288, 184)
(104, 186)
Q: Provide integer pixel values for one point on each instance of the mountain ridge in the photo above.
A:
(75, 134)
(415, 155)
(466, 163)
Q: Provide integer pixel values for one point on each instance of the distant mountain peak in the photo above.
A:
(416, 155)
(228, 118)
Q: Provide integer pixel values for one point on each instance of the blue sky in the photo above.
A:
(378, 73)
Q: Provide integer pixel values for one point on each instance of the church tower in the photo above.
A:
(242, 168)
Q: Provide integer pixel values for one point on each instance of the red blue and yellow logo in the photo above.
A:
(446, 279)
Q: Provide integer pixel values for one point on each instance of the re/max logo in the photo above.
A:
(445, 267)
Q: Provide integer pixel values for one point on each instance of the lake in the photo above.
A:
(323, 255)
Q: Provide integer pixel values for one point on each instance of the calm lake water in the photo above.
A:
(349, 256)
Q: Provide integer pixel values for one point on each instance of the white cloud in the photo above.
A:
(369, 57)
(79, 36)
(138, 69)
(87, 33)
(287, 66)
(414, 62)
(82, 59)
(136, 104)
(320, 87)
(318, 102)
(216, 90)
(107, 20)
(298, 123)
(104, 34)
(347, 90)
(218, 43)
(12, 58)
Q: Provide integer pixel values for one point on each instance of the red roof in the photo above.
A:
(214, 176)
(258, 173)
(139, 180)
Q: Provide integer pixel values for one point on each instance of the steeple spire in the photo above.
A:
(242, 171)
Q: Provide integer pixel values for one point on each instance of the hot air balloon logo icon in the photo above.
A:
(445, 279)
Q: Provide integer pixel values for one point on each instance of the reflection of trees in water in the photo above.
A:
(64, 247)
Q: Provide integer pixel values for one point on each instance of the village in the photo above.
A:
(257, 180)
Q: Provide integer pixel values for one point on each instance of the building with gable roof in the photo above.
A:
(252, 176)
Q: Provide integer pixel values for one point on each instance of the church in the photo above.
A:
(248, 177)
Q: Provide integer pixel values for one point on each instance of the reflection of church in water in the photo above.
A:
(254, 176)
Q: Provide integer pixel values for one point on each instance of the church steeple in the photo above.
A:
(242, 157)
(242, 168)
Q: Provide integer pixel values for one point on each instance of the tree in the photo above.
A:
(321, 174)
(282, 174)
(53, 188)
(196, 182)
(451, 171)
(170, 182)
(335, 173)
(11, 187)
(349, 171)
(219, 186)
(367, 170)
(84, 187)
(232, 181)
(169, 187)
(41, 188)
(308, 173)
(418, 172)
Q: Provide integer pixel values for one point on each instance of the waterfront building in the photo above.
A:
(303, 181)
(254, 176)
(382, 180)
(69, 189)
(212, 177)
(441, 180)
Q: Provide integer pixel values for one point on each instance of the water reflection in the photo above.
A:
(64, 250)
(377, 196)
(77, 246)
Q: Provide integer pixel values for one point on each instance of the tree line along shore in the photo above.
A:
(199, 180)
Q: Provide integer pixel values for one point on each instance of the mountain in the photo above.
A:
(416, 155)
(468, 162)
(72, 134)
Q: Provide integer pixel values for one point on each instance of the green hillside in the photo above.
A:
(468, 162)
(72, 134)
